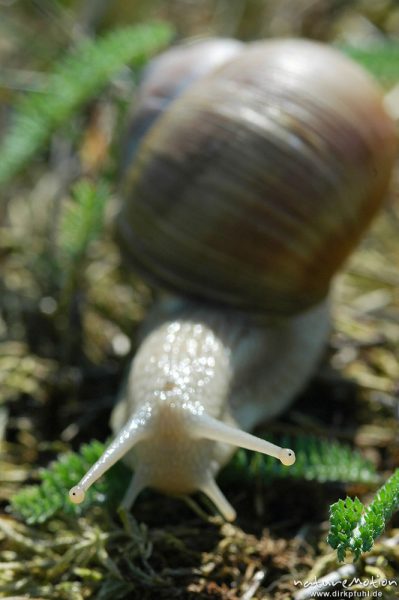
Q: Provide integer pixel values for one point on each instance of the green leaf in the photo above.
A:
(381, 60)
(74, 80)
(354, 527)
(82, 219)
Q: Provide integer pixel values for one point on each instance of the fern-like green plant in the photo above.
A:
(381, 60)
(81, 220)
(81, 223)
(354, 527)
(74, 80)
(316, 460)
(36, 504)
(315, 457)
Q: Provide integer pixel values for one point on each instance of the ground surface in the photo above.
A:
(57, 388)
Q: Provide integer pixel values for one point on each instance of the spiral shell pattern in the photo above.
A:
(256, 183)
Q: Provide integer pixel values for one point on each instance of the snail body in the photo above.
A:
(244, 197)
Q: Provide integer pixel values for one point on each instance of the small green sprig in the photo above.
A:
(75, 79)
(82, 220)
(81, 223)
(354, 527)
(381, 60)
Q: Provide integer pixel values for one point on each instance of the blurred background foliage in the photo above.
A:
(69, 314)
(352, 20)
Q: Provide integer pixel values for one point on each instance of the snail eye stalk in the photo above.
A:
(127, 438)
(211, 429)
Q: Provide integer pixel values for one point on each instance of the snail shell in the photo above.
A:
(256, 183)
(247, 192)
(166, 77)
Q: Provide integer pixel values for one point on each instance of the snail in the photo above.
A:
(248, 183)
